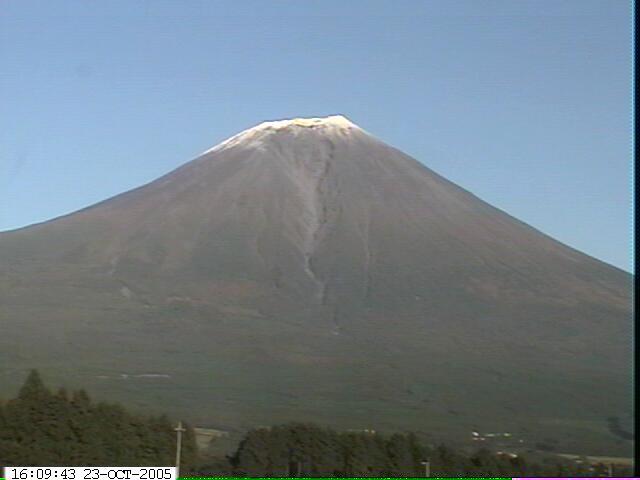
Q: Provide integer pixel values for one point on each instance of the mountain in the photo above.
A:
(305, 270)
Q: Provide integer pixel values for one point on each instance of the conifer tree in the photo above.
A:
(33, 387)
(42, 428)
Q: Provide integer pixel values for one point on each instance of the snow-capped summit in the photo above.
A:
(332, 124)
(335, 121)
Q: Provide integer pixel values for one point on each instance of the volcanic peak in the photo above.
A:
(335, 121)
(333, 124)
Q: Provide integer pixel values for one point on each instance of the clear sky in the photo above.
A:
(527, 104)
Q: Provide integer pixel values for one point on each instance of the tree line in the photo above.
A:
(307, 450)
(44, 428)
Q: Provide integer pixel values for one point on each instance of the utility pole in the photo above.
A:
(427, 468)
(294, 464)
(294, 468)
(179, 429)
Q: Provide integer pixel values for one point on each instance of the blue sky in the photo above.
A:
(527, 104)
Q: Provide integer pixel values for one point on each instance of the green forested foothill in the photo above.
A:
(42, 428)
(311, 451)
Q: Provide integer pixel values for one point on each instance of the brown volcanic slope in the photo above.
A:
(305, 270)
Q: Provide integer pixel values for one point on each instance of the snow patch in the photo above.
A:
(252, 137)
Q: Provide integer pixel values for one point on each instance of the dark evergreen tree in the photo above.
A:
(33, 387)
(42, 428)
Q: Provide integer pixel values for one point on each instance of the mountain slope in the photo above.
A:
(305, 270)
